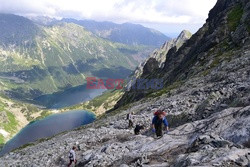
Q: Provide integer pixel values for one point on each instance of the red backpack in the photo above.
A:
(158, 112)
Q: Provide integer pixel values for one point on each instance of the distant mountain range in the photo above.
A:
(126, 33)
(55, 55)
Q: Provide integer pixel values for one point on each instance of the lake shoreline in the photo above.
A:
(87, 118)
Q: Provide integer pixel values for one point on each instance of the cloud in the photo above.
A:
(160, 12)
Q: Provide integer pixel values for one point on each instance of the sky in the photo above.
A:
(167, 16)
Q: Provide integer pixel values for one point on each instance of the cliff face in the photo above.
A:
(160, 54)
(206, 96)
(223, 36)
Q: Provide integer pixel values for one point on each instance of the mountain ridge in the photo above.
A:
(126, 33)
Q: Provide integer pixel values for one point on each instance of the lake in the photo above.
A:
(48, 127)
(68, 97)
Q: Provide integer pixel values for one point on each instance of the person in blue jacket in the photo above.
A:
(158, 122)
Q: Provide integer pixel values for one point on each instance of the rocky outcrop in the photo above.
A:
(160, 54)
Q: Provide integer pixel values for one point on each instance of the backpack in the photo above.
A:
(128, 116)
(158, 112)
(71, 155)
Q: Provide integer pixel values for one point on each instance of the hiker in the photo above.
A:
(137, 129)
(72, 156)
(129, 118)
(158, 121)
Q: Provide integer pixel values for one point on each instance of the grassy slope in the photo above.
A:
(62, 56)
(234, 17)
(15, 115)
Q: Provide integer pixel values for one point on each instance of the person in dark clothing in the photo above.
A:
(158, 121)
(137, 129)
(129, 118)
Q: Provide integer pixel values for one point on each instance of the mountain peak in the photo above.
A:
(185, 34)
(159, 55)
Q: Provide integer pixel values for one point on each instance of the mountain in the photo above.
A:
(214, 47)
(160, 54)
(206, 97)
(38, 60)
(108, 99)
(16, 30)
(126, 33)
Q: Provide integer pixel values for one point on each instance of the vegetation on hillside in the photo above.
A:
(234, 17)
(60, 57)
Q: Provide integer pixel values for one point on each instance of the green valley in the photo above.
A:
(58, 57)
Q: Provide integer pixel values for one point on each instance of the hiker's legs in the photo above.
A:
(70, 162)
(130, 123)
(158, 130)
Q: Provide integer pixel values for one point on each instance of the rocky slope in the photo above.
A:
(206, 96)
(218, 140)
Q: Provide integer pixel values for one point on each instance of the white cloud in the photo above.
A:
(136, 11)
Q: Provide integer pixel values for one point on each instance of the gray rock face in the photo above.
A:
(160, 54)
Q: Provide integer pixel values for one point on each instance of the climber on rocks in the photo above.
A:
(72, 156)
(129, 118)
(158, 122)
